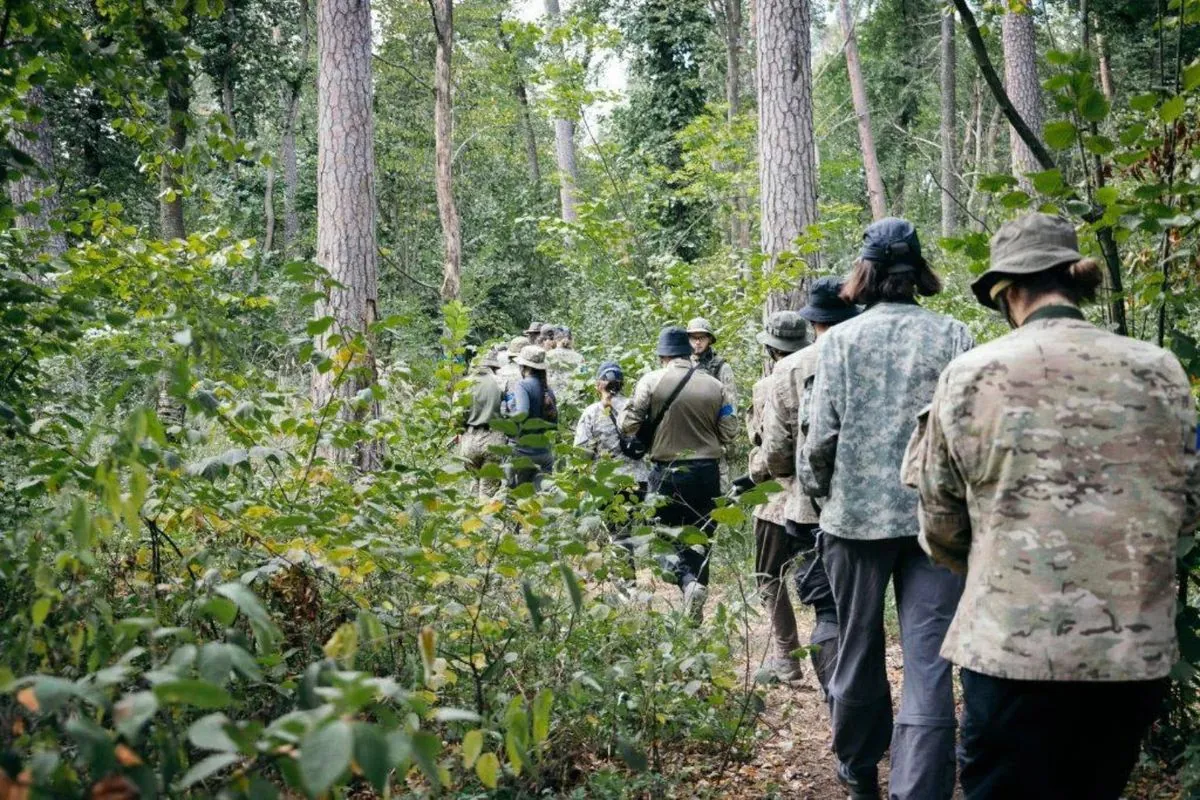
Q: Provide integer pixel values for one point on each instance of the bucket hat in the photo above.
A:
(517, 345)
(825, 303)
(1024, 246)
(785, 330)
(533, 357)
(894, 243)
(701, 325)
(673, 342)
(489, 359)
(534, 329)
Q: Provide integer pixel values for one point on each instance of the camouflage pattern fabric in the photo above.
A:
(508, 376)
(1058, 467)
(474, 447)
(596, 433)
(563, 366)
(783, 429)
(874, 374)
(773, 509)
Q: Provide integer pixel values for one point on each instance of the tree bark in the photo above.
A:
(876, 197)
(37, 141)
(522, 97)
(949, 134)
(787, 163)
(1106, 76)
(293, 92)
(729, 15)
(1024, 89)
(443, 130)
(346, 215)
(170, 204)
(564, 145)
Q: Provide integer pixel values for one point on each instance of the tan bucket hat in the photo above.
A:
(701, 325)
(533, 357)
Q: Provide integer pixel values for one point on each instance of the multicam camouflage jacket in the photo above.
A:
(783, 429)
(773, 509)
(1057, 466)
(874, 374)
(596, 432)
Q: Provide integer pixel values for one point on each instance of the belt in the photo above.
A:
(685, 462)
(484, 427)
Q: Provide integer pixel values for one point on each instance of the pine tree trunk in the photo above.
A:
(1021, 82)
(37, 142)
(170, 205)
(989, 161)
(443, 130)
(949, 133)
(293, 92)
(1106, 76)
(346, 234)
(564, 146)
(729, 12)
(876, 197)
(787, 162)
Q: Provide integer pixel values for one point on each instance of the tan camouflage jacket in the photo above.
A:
(773, 509)
(783, 429)
(1057, 465)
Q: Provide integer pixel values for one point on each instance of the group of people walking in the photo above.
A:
(1023, 499)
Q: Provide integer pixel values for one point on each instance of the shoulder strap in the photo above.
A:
(662, 412)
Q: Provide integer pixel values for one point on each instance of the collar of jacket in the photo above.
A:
(1056, 311)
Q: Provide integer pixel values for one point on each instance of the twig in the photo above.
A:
(958, 202)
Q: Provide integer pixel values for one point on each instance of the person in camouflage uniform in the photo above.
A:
(874, 373)
(477, 440)
(564, 363)
(1057, 468)
(784, 423)
(509, 374)
(785, 333)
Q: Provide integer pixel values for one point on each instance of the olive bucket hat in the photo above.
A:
(825, 303)
(1030, 244)
(517, 345)
(534, 329)
(533, 357)
(489, 359)
(785, 331)
(701, 325)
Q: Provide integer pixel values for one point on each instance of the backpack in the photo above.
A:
(632, 447)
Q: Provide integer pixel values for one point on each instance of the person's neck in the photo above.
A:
(1021, 308)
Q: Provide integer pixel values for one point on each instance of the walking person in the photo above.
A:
(785, 421)
(689, 416)
(478, 442)
(1057, 469)
(536, 411)
(597, 434)
(874, 373)
(509, 374)
(702, 337)
(774, 550)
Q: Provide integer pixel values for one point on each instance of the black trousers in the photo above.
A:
(691, 489)
(1052, 740)
(812, 584)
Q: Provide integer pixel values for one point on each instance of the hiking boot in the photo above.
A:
(784, 669)
(861, 787)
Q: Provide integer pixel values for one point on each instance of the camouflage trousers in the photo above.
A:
(474, 447)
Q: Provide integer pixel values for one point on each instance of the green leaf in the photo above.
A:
(264, 627)
(1093, 106)
(325, 756)
(728, 515)
(487, 769)
(206, 768)
(572, 584)
(81, 524)
(533, 603)
(1172, 109)
(472, 746)
(1191, 76)
(541, 715)
(1106, 195)
(39, 611)
(1048, 182)
(1059, 134)
(1100, 145)
(1015, 200)
(516, 735)
(190, 692)
(1143, 102)
(208, 733)
(372, 755)
(425, 750)
(133, 711)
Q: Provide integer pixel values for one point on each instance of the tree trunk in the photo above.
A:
(522, 96)
(949, 134)
(293, 92)
(729, 14)
(443, 130)
(170, 204)
(37, 185)
(876, 197)
(564, 145)
(787, 163)
(1021, 82)
(1106, 76)
(346, 238)
(269, 210)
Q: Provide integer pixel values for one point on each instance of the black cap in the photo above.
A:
(825, 303)
(893, 242)
(673, 342)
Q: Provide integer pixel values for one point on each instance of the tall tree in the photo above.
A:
(1021, 82)
(521, 94)
(728, 14)
(443, 130)
(35, 140)
(179, 101)
(949, 124)
(346, 236)
(292, 93)
(787, 161)
(564, 144)
(876, 197)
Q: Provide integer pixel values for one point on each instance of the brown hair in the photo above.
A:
(870, 283)
(1077, 282)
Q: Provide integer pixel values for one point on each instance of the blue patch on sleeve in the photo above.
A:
(726, 410)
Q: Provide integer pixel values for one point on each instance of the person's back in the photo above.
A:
(874, 375)
(1073, 443)
(691, 429)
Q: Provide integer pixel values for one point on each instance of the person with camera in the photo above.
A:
(597, 434)
(685, 417)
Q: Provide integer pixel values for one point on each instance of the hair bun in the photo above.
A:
(1086, 275)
